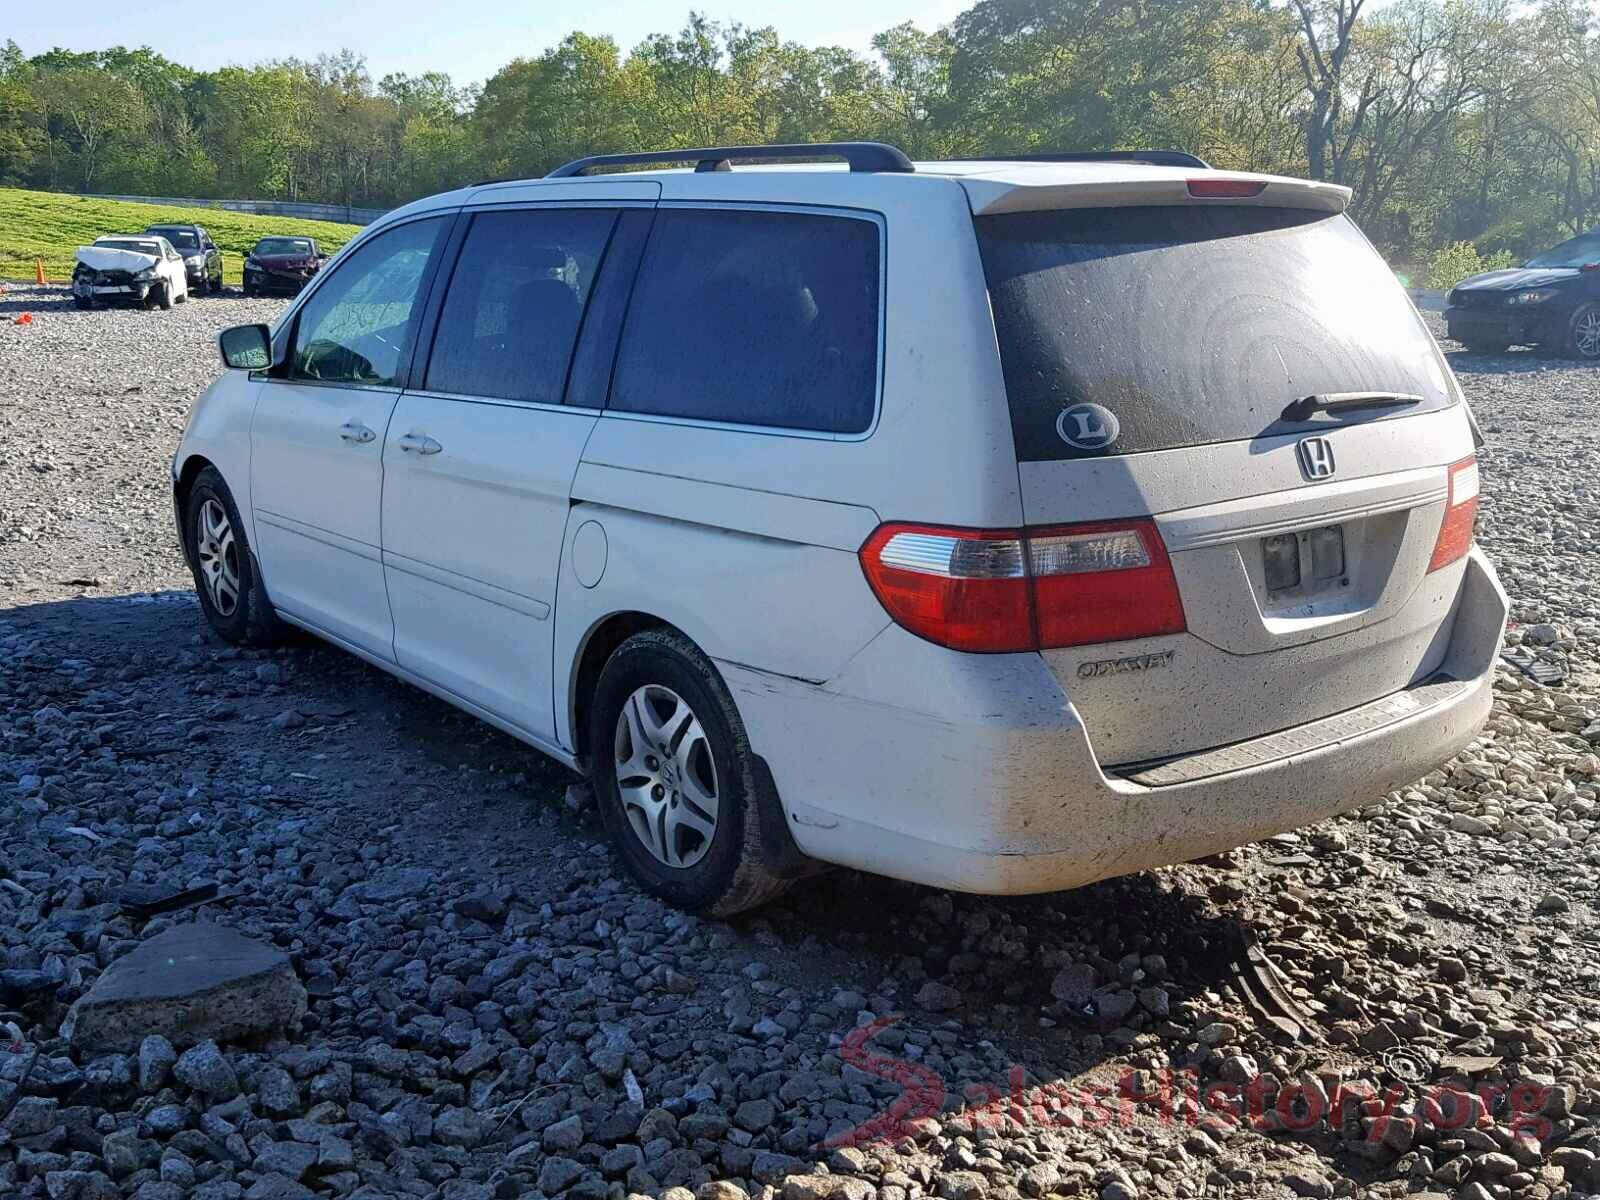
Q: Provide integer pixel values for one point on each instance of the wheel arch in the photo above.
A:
(597, 645)
(181, 487)
(779, 851)
(187, 474)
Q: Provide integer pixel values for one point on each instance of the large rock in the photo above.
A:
(193, 983)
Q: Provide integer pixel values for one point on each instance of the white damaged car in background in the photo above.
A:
(136, 269)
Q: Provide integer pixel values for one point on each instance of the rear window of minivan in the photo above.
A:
(1194, 324)
(754, 318)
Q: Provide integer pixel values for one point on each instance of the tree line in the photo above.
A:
(1452, 120)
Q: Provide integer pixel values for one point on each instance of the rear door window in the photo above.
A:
(1193, 324)
(754, 318)
(516, 299)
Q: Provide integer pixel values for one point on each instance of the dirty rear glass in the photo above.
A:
(1193, 324)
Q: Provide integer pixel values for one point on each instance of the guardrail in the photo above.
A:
(268, 208)
(1429, 299)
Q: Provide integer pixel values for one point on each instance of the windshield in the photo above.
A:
(1181, 325)
(284, 246)
(183, 239)
(130, 244)
(1574, 252)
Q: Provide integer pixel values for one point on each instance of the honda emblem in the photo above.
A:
(1316, 458)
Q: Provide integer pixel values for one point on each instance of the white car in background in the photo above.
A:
(134, 268)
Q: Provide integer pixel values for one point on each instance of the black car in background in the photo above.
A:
(202, 261)
(1552, 301)
(281, 265)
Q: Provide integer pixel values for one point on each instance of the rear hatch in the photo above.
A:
(1158, 354)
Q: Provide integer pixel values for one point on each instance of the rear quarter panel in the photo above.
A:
(757, 578)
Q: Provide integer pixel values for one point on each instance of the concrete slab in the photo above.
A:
(193, 983)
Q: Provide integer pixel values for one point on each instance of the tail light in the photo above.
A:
(996, 591)
(1226, 189)
(1460, 514)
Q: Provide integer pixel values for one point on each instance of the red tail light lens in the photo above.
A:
(1102, 583)
(1226, 189)
(998, 591)
(1460, 515)
(962, 588)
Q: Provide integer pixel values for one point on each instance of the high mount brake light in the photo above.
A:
(1460, 515)
(1226, 189)
(996, 591)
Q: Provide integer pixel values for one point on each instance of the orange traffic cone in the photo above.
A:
(38, 270)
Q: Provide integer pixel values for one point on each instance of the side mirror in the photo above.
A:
(1594, 266)
(246, 347)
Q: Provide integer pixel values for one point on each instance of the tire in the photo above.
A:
(226, 575)
(82, 302)
(203, 288)
(654, 675)
(249, 292)
(163, 297)
(1583, 333)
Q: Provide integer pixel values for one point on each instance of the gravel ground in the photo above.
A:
(494, 1011)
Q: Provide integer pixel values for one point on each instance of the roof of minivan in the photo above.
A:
(993, 185)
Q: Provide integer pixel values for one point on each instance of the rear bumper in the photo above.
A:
(988, 782)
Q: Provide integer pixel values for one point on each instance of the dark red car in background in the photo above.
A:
(281, 265)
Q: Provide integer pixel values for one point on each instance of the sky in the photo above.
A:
(469, 40)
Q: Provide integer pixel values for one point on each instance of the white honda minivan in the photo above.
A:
(1000, 526)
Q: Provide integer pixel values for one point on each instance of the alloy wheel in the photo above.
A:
(218, 552)
(666, 777)
(1586, 333)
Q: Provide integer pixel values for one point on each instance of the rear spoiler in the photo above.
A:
(1124, 185)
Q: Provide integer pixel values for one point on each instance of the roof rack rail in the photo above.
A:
(1154, 158)
(862, 156)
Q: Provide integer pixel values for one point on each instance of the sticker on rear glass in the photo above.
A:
(1088, 426)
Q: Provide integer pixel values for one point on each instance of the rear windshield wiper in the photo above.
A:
(1305, 407)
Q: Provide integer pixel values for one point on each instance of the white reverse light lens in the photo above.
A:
(1075, 553)
(959, 558)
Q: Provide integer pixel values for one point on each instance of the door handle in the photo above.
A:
(356, 432)
(418, 443)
